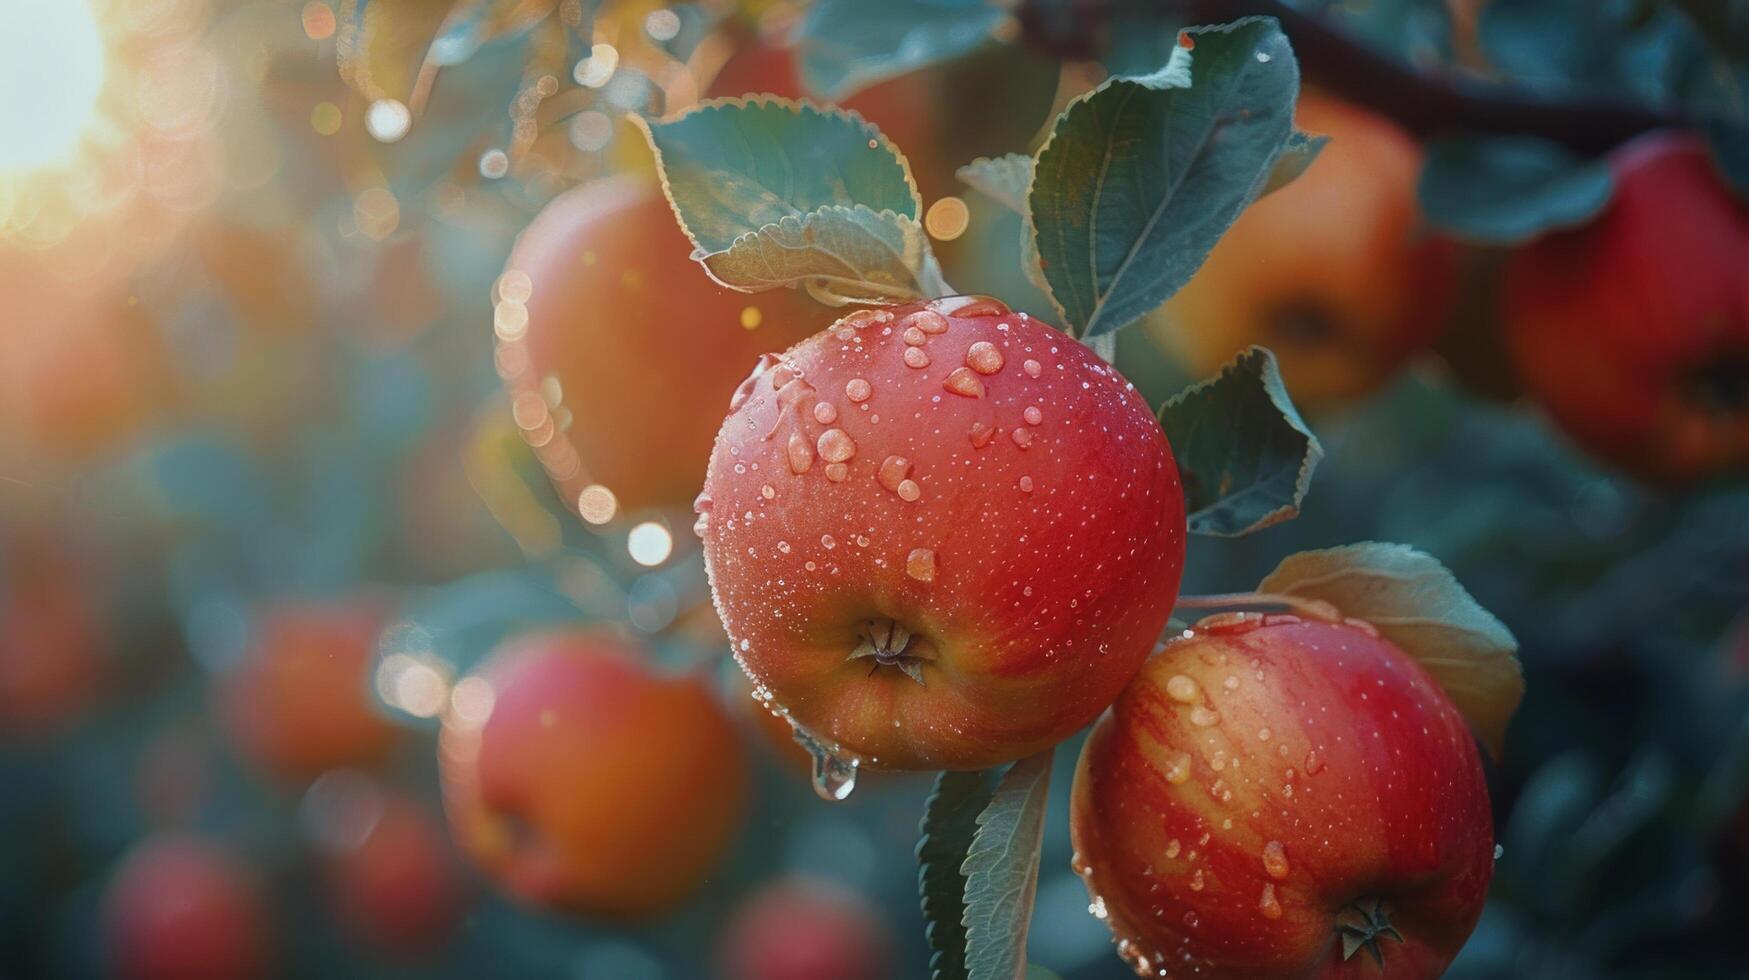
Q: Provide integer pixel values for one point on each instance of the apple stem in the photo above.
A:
(1314, 608)
(1361, 924)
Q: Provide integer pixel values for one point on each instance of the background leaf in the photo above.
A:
(950, 822)
(1245, 455)
(1420, 606)
(1002, 871)
(1139, 178)
(1005, 178)
(1505, 190)
(847, 45)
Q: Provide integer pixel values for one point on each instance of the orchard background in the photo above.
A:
(358, 380)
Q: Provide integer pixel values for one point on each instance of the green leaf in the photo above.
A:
(840, 255)
(1418, 605)
(847, 45)
(1003, 179)
(1296, 155)
(1002, 871)
(1141, 176)
(1508, 189)
(1245, 455)
(950, 822)
(774, 192)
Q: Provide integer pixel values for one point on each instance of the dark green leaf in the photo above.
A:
(1508, 189)
(1245, 455)
(1002, 871)
(1141, 176)
(1730, 146)
(950, 822)
(1419, 606)
(847, 45)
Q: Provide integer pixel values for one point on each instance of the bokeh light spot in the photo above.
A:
(52, 58)
(649, 544)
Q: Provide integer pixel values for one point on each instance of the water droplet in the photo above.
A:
(1263, 57)
(914, 337)
(893, 471)
(1178, 768)
(1196, 881)
(1021, 437)
(783, 546)
(1231, 683)
(1275, 859)
(1268, 905)
(801, 455)
(1203, 717)
(1264, 734)
(920, 564)
(963, 382)
(857, 390)
(837, 472)
(1498, 851)
(984, 358)
(835, 446)
(1033, 368)
(1181, 688)
(1026, 484)
(1314, 765)
(916, 358)
(768, 491)
(909, 491)
(834, 774)
(927, 321)
(825, 413)
(1033, 415)
(982, 433)
(1173, 847)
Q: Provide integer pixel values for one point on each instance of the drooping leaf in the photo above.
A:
(1296, 156)
(950, 822)
(1004, 179)
(847, 45)
(839, 254)
(1141, 176)
(774, 192)
(1508, 189)
(1002, 871)
(1417, 604)
(1245, 455)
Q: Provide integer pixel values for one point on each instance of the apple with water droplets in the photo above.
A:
(1283, 796)
(941, 535)
(582, 779)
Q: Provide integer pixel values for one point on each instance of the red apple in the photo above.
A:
(1267, 782)
(392, 875)
(580, 779)
(51, 640)
(942, 535)
(181, 907)
(619, 351)
(804, 929)
(1634, 331)
(1333, 272)
(298, 703)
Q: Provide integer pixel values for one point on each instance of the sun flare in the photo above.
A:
(51, 73)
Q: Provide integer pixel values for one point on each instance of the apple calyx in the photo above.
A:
(1362, 927)
(891, 644)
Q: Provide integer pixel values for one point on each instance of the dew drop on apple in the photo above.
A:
(834, 774)
(920, 564)
(825, 413)
(1033, 415)
(1203, 717)
(915, 357)
(1196, 881)
(1181, 688)
(1268, 904)
(1275, 859)
(1173, 847)
(1032, 368)
(1178, 768)
(835, 446)
(858, 390)
(984, 358)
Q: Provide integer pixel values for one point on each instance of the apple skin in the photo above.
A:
(1332, 272)
(1035, 565)
(800, 928)
(1615, 326)
(593, 784)
(642, 348)
(399, 888)
(180, 906)
(298, 703)
(1272, 758)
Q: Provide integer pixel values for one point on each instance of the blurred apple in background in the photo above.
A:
(803, 928)
(1333, 272)
(52, 637)
(298, 701)
(181, 907)
(581, 779)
